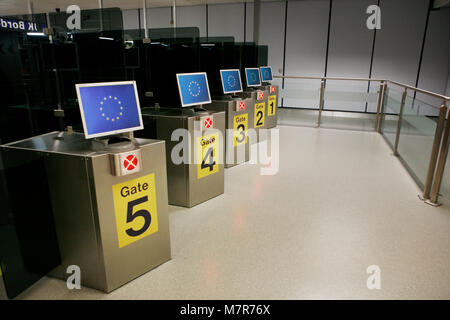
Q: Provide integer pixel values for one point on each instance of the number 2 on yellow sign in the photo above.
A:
(260, 113)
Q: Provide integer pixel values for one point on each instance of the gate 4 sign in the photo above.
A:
(260, 114)
(272, 100)
(135, 209)
(240, 129)
(207, 155)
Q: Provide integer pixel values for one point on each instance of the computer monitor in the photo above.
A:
(252, 77)
(231, 81)
(109, 108)
(193, 88)
(266, 73)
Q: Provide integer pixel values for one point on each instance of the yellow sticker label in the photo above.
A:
(260, 114)
(240, 129)
(207, 155)
(272, 101)
(135, 208)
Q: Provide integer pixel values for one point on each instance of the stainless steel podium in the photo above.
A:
(113, 227)
(239, 118)
(188, 183)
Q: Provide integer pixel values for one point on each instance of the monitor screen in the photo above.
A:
(252, 76)
(109, 108)
(266, 73)
(193, 88)
(231, 80)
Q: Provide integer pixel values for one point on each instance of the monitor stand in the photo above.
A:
(115, 143)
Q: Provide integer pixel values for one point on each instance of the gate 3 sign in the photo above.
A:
(20, 25)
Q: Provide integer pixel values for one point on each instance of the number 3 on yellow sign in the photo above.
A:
(272, 100)
(135, 208)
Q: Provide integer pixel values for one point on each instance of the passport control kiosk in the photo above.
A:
(239, 117)
(272, 96)
(195, 142)
(108, 190)
(259, 96)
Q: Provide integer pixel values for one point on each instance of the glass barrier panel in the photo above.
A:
(345, 103)
(393, 98)
(417, 136)
(445, 184)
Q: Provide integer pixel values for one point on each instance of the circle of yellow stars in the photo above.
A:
(231, 81)
(252, 76)
(193, 85)
(266, 74)
(102, 108)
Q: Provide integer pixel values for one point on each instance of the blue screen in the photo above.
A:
(231, 81)
(193, 89)
(109, 108)
(266, 74)
(252, 75)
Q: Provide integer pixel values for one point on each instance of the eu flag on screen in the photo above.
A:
(193, 88)
(109, 108)
(231, 81)
(266, 74)
(252, 75)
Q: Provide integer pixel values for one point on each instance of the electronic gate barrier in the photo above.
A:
(108, 194)
(239, 115)
(272, 96)
(194, 142)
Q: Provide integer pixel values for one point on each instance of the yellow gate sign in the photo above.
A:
(260, 114)
(207, 155)
(135, 208)
(240, 129)
(272, 101)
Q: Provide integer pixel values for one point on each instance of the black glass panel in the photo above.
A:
(28, 244)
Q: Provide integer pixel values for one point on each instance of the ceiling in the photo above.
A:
(12, 7)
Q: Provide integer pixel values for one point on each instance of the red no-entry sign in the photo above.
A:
(130, 162)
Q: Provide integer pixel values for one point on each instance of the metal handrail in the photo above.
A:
(440, 147)
(436, 95)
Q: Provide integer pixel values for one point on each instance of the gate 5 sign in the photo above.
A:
(260, 114)
(207, 155)
(272, 105)
(135, 207)
(240, 129)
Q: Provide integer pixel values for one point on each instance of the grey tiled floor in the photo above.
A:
(339, 203)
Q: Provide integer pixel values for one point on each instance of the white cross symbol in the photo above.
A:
(128, 163)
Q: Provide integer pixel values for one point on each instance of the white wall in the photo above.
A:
(306, 45)
(399, 41)
(396, 54)
(349, 55)
(226, 20)
(192, 16)
(434, 73)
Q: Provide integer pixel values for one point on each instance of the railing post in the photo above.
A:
(435, 151)
(322, 89)
(399, 123)
(383, 106)
(441, 163)
(380, 101)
